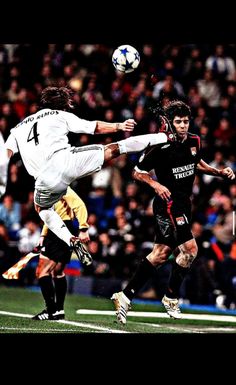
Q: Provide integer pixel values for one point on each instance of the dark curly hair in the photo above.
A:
(176, 108)
(57, 98)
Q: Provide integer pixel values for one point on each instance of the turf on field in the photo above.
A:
(96, 315)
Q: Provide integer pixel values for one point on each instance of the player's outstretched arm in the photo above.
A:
(108, 128)
(205, 168)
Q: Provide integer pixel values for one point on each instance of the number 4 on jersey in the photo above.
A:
(33, 134)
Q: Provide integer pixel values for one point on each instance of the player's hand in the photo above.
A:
(84, 236)
(127, 125)
(228, 173)
(39, 246)
(162, 191)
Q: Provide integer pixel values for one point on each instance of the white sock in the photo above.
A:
(55, 224)
(140, 142)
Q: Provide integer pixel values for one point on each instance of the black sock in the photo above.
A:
(142, 274)
(60, 289)
(48, 292)
(176, 278)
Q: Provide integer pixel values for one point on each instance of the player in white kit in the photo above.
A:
(3, 166)
(41, 139)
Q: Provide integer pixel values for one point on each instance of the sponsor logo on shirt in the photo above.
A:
(183, 171)
(193, 151)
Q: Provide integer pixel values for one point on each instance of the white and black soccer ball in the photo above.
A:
(125, 58)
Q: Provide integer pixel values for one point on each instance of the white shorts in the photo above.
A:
(63, 168)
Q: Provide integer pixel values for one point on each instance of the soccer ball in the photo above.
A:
(125, 58)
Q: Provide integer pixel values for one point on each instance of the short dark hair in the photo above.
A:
(176, 108)
(57, 98)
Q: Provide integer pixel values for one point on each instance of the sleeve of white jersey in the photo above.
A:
(3, 166)
(11, 144)
(3, 153)
(79, 126)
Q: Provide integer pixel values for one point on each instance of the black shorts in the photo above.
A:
(172, 222)
(55, 248)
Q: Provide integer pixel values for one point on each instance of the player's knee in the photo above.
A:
(58, 270)
(186, 258)
(159, 255)
(111, 151)
(45, 267)
(45, 214)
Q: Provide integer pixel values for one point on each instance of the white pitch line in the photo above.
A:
(91, 326)
(202, 317)
(16, 314)
(183, 330)
(191, 330)
(73, 323)
(219, 329)
(38, 330)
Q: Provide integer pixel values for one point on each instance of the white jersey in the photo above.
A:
(3, 166)
(39, 135)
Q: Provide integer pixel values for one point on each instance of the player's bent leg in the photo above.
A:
(187, 254)
(111, 151)
(54, 223)
(133, 144)
(159, 254)
(43, 273)
(45, 266)
(145, 270)
(140, 142)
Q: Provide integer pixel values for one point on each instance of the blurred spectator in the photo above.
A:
(9, 115)
(193, 66)
(224, 133)
(13, 91)
(209, 89)
(232, 194)
(168, 87)
(202, 285)
(217, 162)
(28, 237)
(10, 215)
(222, 66)
(223, 228)
(19, 182)
(28, 211)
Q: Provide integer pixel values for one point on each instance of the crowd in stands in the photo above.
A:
(120, 210)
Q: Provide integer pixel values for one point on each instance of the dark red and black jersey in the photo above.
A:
(174, 164)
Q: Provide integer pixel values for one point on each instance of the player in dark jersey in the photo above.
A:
(175, 164)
